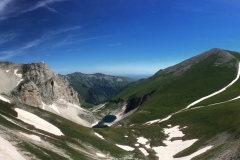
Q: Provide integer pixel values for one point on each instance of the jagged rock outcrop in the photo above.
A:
(36, 83)
(28, 93)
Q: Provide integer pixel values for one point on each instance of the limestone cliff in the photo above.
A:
(35, 84)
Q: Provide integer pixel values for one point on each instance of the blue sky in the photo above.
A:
(115, 36)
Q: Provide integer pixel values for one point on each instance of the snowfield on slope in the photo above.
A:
(4, 99)
(173, 147)
(67, 110)
(8, 151)
(38, 122)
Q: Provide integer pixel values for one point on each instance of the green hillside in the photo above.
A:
(174, 92)
(78, 142)
(216, 125)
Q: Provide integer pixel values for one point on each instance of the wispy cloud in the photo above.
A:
(34, 43)
(9, 54)
(7, 37)
(31, 44)
(44, 4)
(4, 8)
(10, 8)
(111, 45)
(67, 41)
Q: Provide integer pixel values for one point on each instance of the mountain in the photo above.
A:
(96, 88)
(186, 111)
(37, 85)
(193, 103)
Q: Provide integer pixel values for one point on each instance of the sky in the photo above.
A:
(116, 37)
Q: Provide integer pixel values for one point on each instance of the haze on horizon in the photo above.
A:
(115, 37)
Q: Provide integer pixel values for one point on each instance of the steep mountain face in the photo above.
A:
(96, 88)
(37, 85)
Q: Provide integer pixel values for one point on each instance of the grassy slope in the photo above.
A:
(207, 122)
(229, 93)
(175, 93)
(74, 133)
(203, 124)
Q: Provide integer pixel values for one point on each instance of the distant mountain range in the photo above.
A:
(186, 111)
(96, 88)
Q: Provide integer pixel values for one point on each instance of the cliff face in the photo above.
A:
(35, 84)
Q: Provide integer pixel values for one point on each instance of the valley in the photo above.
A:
(186, 111)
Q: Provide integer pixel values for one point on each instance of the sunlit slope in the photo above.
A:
(216, 125)
(78, 142)
(231, 93)
(178, 86)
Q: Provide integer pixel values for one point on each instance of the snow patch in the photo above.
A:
(147, 146)
(43, 105)
(54, 107)
(31, 136)
(173, 147)
(7, 71)
(4, 99)
(8, 151)
(18, 75)
(19, 82)
(100, 136)
(158, 120)
(144, 151)
(125, 136)
(137, 144)
(142, 140)
(173, 132)
(167, 118)
(124, 147)
(151, 122)
(101, 155)
(95, 123)
(38, 122)
(195, 153)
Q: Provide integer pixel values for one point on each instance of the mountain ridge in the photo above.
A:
(181, 67)
(96, 88)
